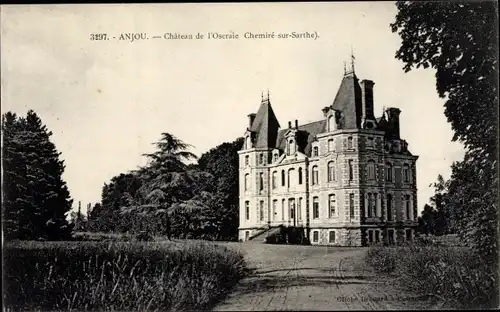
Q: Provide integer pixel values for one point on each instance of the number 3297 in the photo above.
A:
(98, 37)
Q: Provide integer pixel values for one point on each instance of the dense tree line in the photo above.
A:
(35, 198)
(172, 198)
(460, 41)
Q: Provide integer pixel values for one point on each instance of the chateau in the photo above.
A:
(347, 179)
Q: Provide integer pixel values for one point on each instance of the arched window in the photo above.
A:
(247, 180)
(406, 173)
(315, 151)
(349, 143)
(331, 124)
(261, 181)
(388, 172)
(331, 171)
(371, 170)
(389, 207)
(315, 208)
(275, 177)
(315, 177)
(332, 206)
(351, 169)
(291, 146)
(282, 177)
(261, 210)
(300, 175)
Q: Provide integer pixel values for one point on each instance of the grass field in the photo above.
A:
(452, 273)
(118, 276)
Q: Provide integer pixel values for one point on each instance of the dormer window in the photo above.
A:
(291, 147)
(349, 143)
(261, 159)
(315, 152)
(275, 157)
(247, 160)
(331, 145)
(370, 142)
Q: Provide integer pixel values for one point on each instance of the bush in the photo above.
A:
(118, 276)
(455, 275)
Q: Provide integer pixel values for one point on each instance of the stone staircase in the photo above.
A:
(264, 232)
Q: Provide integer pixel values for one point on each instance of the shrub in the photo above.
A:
(118, 276)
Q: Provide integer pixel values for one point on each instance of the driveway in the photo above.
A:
(313, 278)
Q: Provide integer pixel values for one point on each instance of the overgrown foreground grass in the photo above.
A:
(117, 276)
(453, 274)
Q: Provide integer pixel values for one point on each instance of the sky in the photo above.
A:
(106, 101)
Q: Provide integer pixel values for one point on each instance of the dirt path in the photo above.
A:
(312, 278)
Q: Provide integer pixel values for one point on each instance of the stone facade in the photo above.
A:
(347, 180)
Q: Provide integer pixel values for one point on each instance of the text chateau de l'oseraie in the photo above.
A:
(347, 179)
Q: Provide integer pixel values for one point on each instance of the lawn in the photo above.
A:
(118, 276)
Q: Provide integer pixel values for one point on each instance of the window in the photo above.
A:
(291, 147)
(283, 210)
(282, 177)
(247, 160)
(406, 173)
(315, 208)
(409, 235)
(371, 170)
(299, 209)
(331, 171)
(331, 123)
(373, 205)
(377, 237)
(351, 170)
(300, 175)
(261, 210)
(315, 176)
(388, 172)
(247, 210)
(315, 151)
(247, 180)
(389, 207)
(390, 236)
(331, 237)
(331, 145)
(315, 236)
(370, 142)
(409, 214)
(369, 205)
(275, 176)
(332, 206)
(275, 205)
(349, 143)
(247, 235)
(275, 157)
(290, 177)
(291, 207)
(370, 236)
(261, 181)
(351, 205)
(261, 159)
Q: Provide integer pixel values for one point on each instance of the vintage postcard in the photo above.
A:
(249, 156)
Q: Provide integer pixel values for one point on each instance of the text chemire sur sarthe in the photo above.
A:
(131, 37)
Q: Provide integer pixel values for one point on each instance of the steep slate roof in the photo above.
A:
(348, 101)
(305, 137)
(265, 125)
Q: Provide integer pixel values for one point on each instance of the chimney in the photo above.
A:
(393, 121)
(251, 118)
(289, 125)
(367, 99)
(296, 124)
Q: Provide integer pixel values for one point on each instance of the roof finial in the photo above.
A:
(267, 94)
(262, 95)
(352, 59)
(345, 70)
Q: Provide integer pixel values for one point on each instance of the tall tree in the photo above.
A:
(460, 41)
(42, 199)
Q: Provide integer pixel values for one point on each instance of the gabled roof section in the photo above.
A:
(305, 136)
(265, 126)
(348, 101)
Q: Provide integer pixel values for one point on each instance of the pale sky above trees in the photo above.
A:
(107, 101)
